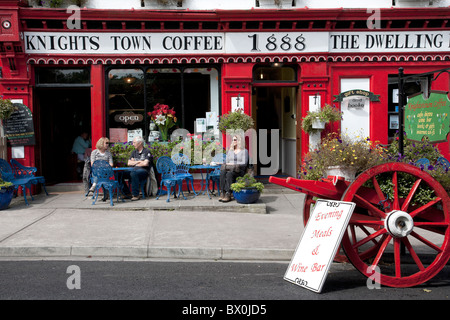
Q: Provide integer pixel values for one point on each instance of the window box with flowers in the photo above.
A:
(315, 121)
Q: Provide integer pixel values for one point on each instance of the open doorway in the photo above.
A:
(274, 109)
(64, 113)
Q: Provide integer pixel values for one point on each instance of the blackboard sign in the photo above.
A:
(19, 127)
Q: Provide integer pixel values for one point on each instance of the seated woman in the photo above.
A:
(101, 153)
(235, 166)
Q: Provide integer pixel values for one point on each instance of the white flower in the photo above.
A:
(160, 119)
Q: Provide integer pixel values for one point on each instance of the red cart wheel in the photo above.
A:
(381, 228)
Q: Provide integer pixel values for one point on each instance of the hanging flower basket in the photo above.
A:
(317, 124)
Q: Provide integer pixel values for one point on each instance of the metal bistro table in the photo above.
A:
(204, 168)
(118, 174)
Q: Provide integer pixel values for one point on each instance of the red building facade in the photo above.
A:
(278, 63)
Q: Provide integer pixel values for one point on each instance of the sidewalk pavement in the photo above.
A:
(66, 225)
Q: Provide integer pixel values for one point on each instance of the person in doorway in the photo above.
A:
(79, 147)
(141, 159)
(235, 166)
(80, 144)
(101, 153)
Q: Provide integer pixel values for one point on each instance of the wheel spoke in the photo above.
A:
(363, 229)
(371, 237)
(413, 254)
(430, 224)
(425, 241)
(424, 207)
(397, 260)
(410, 195)
(396, 205)
(381, 250)
(378, 190)
(366, 204)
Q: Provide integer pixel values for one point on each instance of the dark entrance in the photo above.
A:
(63, 114)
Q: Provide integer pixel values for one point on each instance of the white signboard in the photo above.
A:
(237, 103)
(134, 133)
(319, 244)
(233, 42)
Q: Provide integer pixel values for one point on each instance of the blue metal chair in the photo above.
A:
(214, 176)
(166, 168)
(441, 161)
(21, 176)
(103, 174)
(182, 165)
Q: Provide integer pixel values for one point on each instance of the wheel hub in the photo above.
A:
(399, 223)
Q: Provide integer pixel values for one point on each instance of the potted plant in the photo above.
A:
(247, 189)
(346, 156)
(6, 193)
(164, 118)
(316, 120)
(235, 120)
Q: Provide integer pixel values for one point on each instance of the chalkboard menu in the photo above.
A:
(19, 127)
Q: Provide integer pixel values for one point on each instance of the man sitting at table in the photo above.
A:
(141, 159)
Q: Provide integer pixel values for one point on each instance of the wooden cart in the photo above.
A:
(409, 244)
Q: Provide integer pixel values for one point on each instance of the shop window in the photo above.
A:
(132, 93)
(411, 87)
(274, 72)
(125, 102)
(52, 76)
(191, 92)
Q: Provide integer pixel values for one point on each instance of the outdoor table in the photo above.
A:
(207, 168)
(118, 173)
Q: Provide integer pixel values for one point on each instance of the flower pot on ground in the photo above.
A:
(6, 194)
(247, 189)
(315, 121)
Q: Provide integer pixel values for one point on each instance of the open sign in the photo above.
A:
(128, 117)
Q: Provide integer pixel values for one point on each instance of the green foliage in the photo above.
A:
(200, 148)
(121, 151)
(415, 150)
(236, 120)
(326, 114)
(359, 153)
(363, 154)
(247, 181)
(6, 108)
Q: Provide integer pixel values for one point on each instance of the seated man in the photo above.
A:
(142, 160)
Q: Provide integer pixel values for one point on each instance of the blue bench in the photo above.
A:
(21, 176)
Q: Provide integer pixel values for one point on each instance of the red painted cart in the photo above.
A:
(408, 243)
